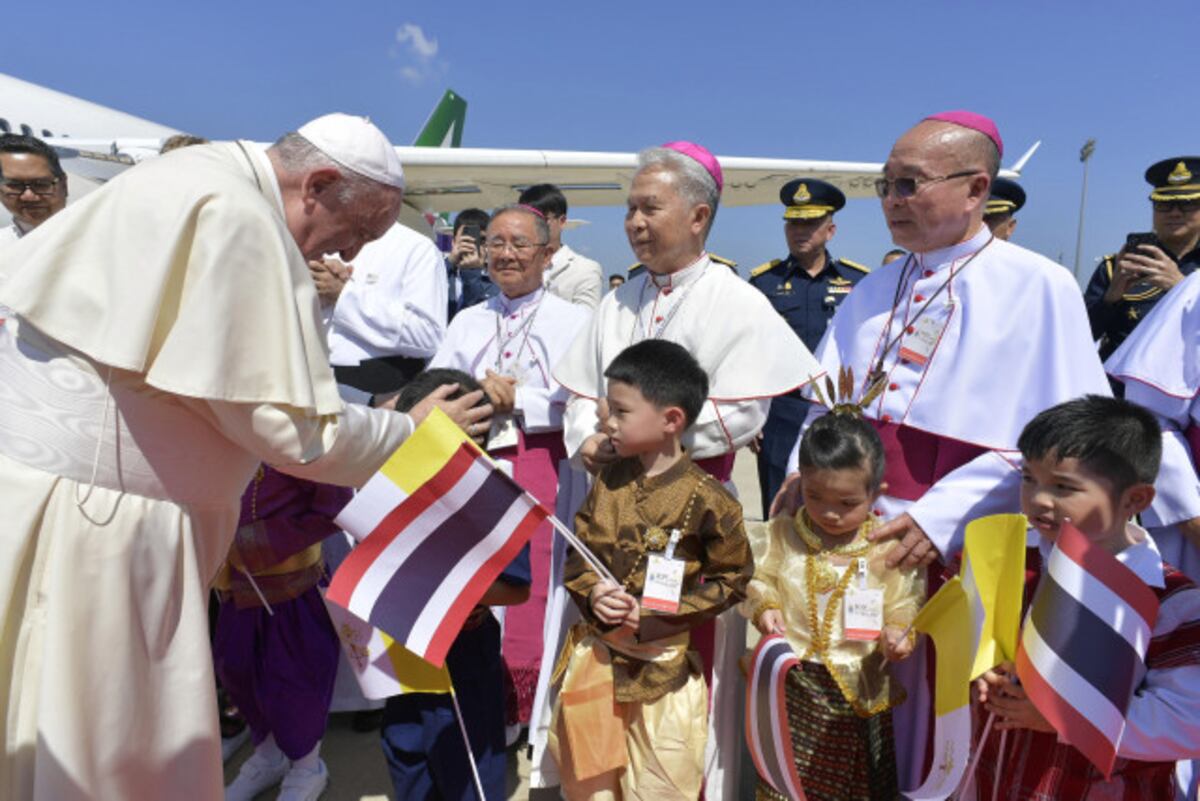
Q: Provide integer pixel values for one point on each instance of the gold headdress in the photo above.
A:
(842, 401)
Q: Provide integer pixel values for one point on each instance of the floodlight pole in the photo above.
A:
(1085, 153)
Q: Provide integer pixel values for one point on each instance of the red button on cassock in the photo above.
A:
(893, 387)
(910, 330)
(918, 298)
(658, 319)
(887, 418)
(929, 273)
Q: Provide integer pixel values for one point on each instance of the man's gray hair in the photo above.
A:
(695, 183)
(298, 155)
(539, 220)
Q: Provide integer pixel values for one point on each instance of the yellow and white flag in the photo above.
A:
(382, 666)
(946, 617)
(993, 576)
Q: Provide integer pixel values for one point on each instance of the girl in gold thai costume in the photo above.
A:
(822, 584)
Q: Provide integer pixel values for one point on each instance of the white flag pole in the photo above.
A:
(593, 562)
(974, 763)
(467, 742)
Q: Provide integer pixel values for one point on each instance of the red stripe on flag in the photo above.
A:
(1071, 724)
(451, 624)
(385, 532)
(1102, 565)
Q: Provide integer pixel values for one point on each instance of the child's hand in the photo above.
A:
(897, 644)
(633, 620)
(990, 683)
(771, 622)
(1014, 710)
(610, 603)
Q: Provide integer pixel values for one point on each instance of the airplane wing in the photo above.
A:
(446, 180)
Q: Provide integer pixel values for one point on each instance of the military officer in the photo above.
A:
(1128, 283)
(806, 289)
(1006, 200)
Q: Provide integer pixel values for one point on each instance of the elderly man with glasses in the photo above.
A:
(33, 186)
(969, 337)
(1128, 283)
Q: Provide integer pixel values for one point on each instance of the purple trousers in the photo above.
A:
(279, 669)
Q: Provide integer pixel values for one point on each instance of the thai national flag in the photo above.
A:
(438, 524)
(1084, 643)
(767, 733)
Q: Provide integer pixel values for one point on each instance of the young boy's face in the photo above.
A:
(634, 424)
(1054, 490)
(839, 501)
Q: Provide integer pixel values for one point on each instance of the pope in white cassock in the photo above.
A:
(167, 340)
(971, 336)
(749, 353)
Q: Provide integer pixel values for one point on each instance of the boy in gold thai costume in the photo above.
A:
(823, 585)
(631, 720)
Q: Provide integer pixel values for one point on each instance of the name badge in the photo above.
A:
(503, 433)
(918, 346)
(664, 584)
(862, 609)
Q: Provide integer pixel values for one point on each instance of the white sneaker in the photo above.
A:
(257, 774)
(230, 745)
(301, 784)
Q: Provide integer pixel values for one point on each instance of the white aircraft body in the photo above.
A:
(97, 143)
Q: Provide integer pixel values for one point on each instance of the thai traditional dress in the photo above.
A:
(839, 699)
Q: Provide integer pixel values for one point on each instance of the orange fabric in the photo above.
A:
(591, 717)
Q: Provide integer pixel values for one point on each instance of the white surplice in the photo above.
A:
(1160, 366)
(168, 339)
(1014, 340)
(749, 353)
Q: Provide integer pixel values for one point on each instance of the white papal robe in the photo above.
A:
(750, 355)
(167, 339)
(1010, 338)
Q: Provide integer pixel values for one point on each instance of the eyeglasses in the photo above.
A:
(44, 186)
(907, 187)
(497, 247)
(1186, 206)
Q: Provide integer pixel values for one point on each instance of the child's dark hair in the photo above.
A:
(427, 381)
(1113, 438)
(665, 373)
(843, 442)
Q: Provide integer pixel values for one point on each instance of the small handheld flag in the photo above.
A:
(993, 576)
(767, 732)
(1084, 644)
(437, 525)
(946, 617)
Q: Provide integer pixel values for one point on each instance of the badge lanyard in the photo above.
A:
(902, 286)
(502, 342)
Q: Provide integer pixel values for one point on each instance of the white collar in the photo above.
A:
(506, 305)
(944, 257)
(679, 277)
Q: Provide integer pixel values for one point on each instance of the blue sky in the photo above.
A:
(788, 79)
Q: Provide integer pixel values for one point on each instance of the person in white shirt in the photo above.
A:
(570, 275)
(33, 186)
(388, 310)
